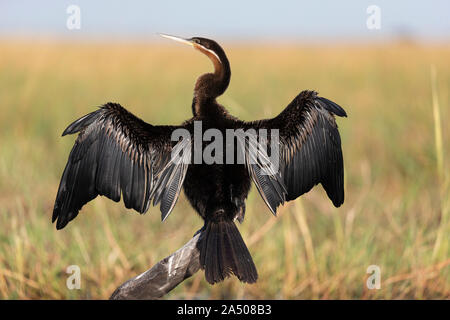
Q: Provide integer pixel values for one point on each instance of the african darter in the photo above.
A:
(117, 154)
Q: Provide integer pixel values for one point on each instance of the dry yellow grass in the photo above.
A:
(396, 160)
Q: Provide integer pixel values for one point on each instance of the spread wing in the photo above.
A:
(309, 151)
(118, 154)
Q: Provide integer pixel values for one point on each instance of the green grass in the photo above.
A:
(395, 144)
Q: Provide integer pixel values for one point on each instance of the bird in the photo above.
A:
(117, 155)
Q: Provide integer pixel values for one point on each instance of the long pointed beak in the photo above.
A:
(185, 41)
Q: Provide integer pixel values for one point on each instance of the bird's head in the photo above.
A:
(209, 84)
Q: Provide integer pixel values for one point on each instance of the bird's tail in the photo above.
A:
(223, 252)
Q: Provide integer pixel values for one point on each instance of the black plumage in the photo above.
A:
(118, 155)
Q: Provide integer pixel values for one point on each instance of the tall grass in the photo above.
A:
(443, 176)
(397, 183)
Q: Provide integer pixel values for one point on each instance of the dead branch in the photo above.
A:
(164, 276)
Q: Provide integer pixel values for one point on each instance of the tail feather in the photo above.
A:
(223, 253)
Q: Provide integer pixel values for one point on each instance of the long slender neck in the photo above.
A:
(211, 85)
(222, 74)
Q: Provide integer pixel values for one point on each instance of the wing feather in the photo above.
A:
(310, 151)
(118, 154)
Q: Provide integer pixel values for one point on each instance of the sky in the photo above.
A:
(235, 19)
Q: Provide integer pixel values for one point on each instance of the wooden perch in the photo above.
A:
(164, 276)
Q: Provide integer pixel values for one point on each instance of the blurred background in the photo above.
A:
(387, 63)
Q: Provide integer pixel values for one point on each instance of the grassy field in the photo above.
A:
(396, 152)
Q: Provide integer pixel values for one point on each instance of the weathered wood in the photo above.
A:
(164, 276)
